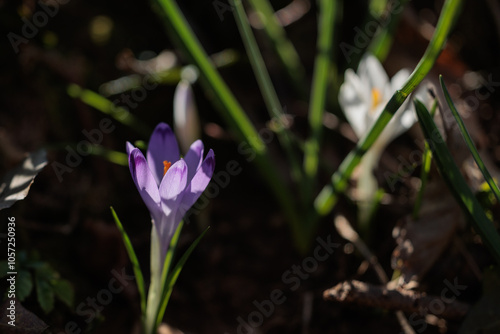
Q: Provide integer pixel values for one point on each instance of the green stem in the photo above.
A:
(381, 43)
(328, 196)
(231, 111)
(425, 169)
(285, 50)
(321, 78)
(266, 87)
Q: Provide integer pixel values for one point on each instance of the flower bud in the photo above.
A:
(186, 120)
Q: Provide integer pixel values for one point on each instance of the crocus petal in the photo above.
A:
(399, 79)
(171, 189)
(145, 182)
(353, 103)
(371, 69)
(198, 183)
(162, 147)
(174, 182)
(194, 158)
(129, 147)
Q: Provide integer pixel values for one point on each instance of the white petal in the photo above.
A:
(371, 70)
(354, 107)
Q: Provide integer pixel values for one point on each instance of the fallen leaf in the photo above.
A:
(421, 242)
(17, 182)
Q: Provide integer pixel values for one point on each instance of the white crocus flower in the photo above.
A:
(363, 96)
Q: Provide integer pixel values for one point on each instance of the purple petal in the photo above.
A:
(194, 158)
(198, 184)
(162, 147)
(171, 189)
(174, 182)
(145, 182)
(129, 147)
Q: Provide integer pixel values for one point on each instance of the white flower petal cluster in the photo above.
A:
(364, 94)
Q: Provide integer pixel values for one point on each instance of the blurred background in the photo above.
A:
(109, 47)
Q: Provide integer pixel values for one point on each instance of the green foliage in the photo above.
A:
(48, 284)
(456, 182)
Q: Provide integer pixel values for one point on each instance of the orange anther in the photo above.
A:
(166, 166)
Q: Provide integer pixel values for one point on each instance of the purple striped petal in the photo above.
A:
(198, 184)
(162, 147)
(145, 182)
(194, 158)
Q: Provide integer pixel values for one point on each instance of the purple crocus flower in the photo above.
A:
(169, 185)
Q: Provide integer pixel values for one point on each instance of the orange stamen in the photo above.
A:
(376, 98)
(166, 166)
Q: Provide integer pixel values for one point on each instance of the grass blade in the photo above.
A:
(469, 142)
(284, 48)
(424, 173)
(266, 86)
(323, 67)
(107, 107)
(135, 262)
(456, 182)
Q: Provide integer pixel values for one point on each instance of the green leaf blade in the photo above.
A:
(135, 262)
(469, 141)
(456, 183)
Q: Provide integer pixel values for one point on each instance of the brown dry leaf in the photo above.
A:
(16, 183)
(421, 242)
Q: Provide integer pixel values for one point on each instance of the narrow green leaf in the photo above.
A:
(168, 284)
(139, 278)
(469, 142)
(456, 183)
(381, 43)
(424, 173)
(323, 71)
(24, 284)
(64, 292)
(282, 46)
(107, 107)
(266, 87)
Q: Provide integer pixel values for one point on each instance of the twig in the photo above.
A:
(365, 294)
(347, 232)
